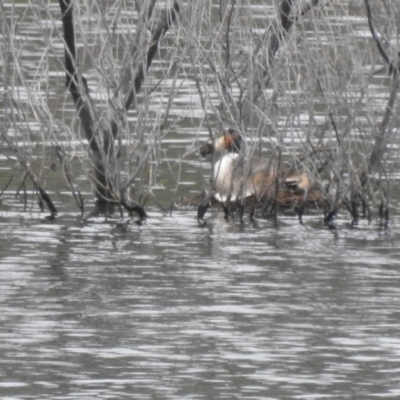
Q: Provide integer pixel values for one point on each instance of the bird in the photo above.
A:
(236, 177)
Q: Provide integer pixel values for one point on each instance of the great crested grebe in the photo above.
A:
(236, 178)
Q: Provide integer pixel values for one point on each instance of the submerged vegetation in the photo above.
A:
(302, 81)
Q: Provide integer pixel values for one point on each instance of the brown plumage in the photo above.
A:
(262, 179)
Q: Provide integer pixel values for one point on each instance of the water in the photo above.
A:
(174, 310)
(103, 309)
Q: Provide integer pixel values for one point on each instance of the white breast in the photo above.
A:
(227, 177)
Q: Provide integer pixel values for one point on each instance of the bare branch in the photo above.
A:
(380, 139)
(43, 195)
(228, 55)
(272, 37)
(158, 33)
(392, 66)
(69, 176)
(394, 69)
(78, 88)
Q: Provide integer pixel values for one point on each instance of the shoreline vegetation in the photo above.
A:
(252, 74)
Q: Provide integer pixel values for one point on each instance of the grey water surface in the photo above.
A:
(98, 308)
(173, 310)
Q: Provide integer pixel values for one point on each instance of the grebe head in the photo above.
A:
(229, 142)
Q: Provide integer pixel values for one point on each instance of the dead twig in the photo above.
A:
(43, 195)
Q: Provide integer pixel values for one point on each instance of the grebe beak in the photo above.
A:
(190, 152)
